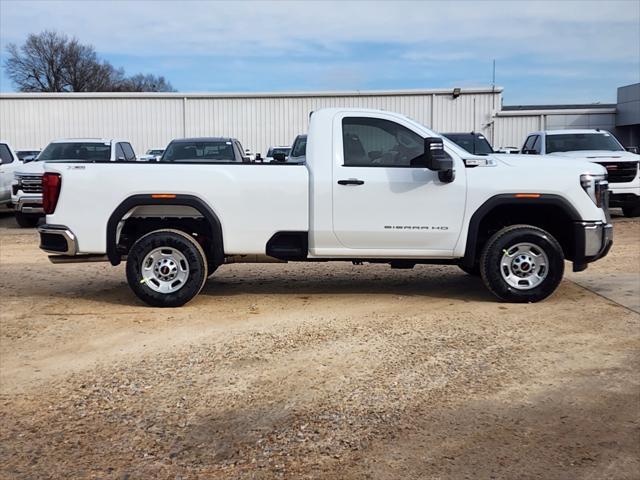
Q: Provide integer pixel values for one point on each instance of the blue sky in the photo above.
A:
(546, 52)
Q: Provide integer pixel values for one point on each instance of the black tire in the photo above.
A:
(190, 250)
(473, 271)
(502, 242)
(26, 220)
(631, 211)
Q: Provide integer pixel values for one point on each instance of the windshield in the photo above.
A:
(572, 142)
(88, 152)
(476, 144)
(273, 151)
(207, 151)
(155, 152)
(26, 153)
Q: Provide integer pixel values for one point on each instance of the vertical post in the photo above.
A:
(184, 117)
(433, 105)
(493, 104)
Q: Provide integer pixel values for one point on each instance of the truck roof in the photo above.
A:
(85, 140)
(203, 139)
(574, 131)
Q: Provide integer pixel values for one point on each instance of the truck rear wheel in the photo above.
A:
(27, 220)
(166, 268)
(522, 263)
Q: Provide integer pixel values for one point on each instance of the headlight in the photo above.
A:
(596, 187)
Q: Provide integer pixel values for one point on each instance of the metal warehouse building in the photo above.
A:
(259, 120)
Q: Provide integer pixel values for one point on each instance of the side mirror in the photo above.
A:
(633, 149)
(434, 156)
(437, 160)
(120, 159)
(258, 157)
(279, 157)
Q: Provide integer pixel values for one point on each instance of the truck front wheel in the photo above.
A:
(522, 263)
(166, 268)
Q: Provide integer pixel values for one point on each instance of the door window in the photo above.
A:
(120, 153)
(128, 152)
(536, 145)
(374, 142)
(5, 154)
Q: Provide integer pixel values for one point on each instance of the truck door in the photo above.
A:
(381, 199)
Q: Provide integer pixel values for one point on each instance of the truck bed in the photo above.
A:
(252, 201)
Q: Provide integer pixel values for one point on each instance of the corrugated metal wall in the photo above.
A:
(512, 128)
(512, 131)
(258, 121)
(262, 120)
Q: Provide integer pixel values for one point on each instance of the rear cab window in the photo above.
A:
(76, 151)
(201, 151)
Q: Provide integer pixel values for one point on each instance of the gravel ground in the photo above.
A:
(314, 371)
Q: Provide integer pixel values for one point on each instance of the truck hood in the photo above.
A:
(600, 155)
(31, 168)
(550, 164)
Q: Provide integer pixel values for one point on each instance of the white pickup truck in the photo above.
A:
(376, 187)
(598, 146)
(26, 188)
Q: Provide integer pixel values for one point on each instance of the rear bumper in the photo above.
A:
(57, 239)
(593, 240)
(28, 204)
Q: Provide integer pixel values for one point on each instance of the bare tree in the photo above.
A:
(38, 65)
(147, 83)
(51, 62)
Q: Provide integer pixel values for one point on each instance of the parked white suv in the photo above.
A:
(26, 194)
(377, 187)
(597, 146)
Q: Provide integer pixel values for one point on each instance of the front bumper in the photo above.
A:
(28, 204)
(623, 199)
(593, 240)
(57, 239)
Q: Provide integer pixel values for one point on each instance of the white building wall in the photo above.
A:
(257, 120)
(513, 126)
(511, 131)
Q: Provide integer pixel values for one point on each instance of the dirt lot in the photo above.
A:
(315, 371)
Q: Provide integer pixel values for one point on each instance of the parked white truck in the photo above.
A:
(376, 187)
(597, 146)
(26, 194)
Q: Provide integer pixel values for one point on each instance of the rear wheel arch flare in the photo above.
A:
(216, 252)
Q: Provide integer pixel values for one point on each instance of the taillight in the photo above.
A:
(51, 183)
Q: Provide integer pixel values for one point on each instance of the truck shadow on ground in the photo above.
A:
(454, 286)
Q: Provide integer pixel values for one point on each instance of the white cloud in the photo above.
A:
(586, 30)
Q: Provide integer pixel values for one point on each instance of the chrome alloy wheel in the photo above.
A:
(524, 266)
(165, 270)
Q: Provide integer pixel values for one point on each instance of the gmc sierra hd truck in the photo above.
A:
(376, 187)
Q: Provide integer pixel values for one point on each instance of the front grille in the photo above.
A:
(30, 183)
(621, 172)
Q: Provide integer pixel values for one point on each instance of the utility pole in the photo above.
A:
(493, 102)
